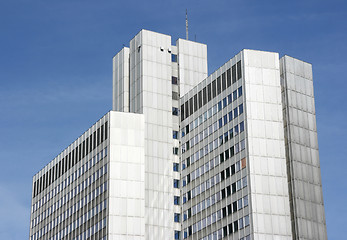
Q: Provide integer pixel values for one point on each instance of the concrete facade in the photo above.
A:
(183, 155)
(303, 166)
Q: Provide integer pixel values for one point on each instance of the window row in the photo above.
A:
(209, 148)
(91, 231)
(231, 189)
(234, 168)
(73, 177)
(211, 91)
(233, 227)
(73, 209)
(74, 225)
(70, 160)
(210, 201)
(212, 111)
(74, 192)
(211, 129)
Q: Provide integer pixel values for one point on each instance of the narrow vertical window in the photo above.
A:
(219, 90)
(209, 92)
(239, 71)
(204, 96)
(200, 99)
(214, 89)
(229, 77)
(233, 69)
(106, 130)
(224, 85)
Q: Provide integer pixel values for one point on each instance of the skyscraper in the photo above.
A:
(186, 156)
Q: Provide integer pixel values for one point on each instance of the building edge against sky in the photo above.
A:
(123, 177)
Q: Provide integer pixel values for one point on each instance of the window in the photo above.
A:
(175, 96)
(218, 86)
(228, 78)
(175, 167)
(177, 235)
(246, 220)
(200, 99)
(182, 112)
(174, 80)
(223, 82)
(176, 183)
(175, 150)
(224, 102)
(219, 105)
(234, 73)
(214, 89)
(173, 57)
(175, 111)
(240, 91)
(242, 126)
(241, 109)
(239, 72)
(245, 201)
(175, 134)
(236, 112)
(176, 200)
(204, 96)
(209, 92)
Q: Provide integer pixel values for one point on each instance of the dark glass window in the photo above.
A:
(233, 69)
(224, 102)
(200, 99)
(240, 91)
(182, 112)
(175, 167)
(175, 134)
(173, 57)
(236, 226)
(219, 105)
(239, 72)
(190, 106)
(177, 217)
(106, 130)
(209, 92)
(175, 111)
(234, 95)
(236, 112)
(222, 176)
(176, 183)
(177, 235)
(204, 96)
(230, 98)
(195, 102)
(224, 83)
(176, 200)
(218, 86)
(98, 138)
(186, 110)
(175, 150)
(214, 89)
(228, 77)
(221, 157)
(241, 109)
(174, 80)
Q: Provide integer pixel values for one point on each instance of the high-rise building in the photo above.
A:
(186, 156)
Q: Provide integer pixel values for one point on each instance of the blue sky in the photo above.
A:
(56, 76)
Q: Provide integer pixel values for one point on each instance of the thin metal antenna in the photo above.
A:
(186, 24)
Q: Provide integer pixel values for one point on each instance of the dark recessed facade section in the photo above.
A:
(218, 85)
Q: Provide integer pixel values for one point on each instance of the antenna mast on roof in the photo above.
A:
(186, 24)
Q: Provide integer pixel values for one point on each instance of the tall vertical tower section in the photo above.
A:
(301, 142)
(148, 78)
